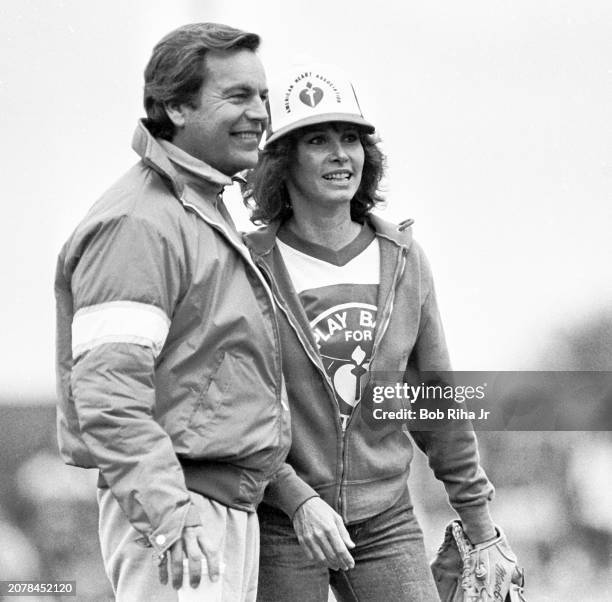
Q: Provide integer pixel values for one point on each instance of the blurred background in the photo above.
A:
(495, 117)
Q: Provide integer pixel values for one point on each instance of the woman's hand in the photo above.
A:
(322, 534)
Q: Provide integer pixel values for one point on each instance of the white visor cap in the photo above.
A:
(311, 94)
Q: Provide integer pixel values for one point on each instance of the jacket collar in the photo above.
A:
(195, 172)
(400, 234)
(262, 241)
(175, 165)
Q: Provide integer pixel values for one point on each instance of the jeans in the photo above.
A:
(390, 561)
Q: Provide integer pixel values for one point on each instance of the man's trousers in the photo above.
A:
(134, 574)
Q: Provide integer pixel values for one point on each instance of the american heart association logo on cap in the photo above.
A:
(311, 95)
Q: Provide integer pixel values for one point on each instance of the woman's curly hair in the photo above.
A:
(266, 193)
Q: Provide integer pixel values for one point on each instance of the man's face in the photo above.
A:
(225, 130)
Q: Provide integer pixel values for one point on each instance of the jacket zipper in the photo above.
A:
(386, 317)
(399, 271)
(317, 363)
(246, 256)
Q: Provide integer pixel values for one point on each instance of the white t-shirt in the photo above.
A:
(339, 293)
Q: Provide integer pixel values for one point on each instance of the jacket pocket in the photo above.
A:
(206, 405)
(236, 417)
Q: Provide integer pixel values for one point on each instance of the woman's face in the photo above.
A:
(327, 164)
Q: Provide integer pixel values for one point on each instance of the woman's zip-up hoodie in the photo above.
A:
(363, 471)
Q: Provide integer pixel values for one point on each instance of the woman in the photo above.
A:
(356, 296)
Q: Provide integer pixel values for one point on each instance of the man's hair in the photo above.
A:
(176, 70)
(266, 193)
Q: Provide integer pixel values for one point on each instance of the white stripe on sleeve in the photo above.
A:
(119, 322)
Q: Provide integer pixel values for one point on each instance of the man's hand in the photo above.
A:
(322, 534)
(192, 545)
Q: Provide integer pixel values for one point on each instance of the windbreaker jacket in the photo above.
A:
(364, 472)
(168, 354)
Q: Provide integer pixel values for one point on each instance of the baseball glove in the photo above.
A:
(485, 572)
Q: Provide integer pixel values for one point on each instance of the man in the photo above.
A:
(169, 371)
